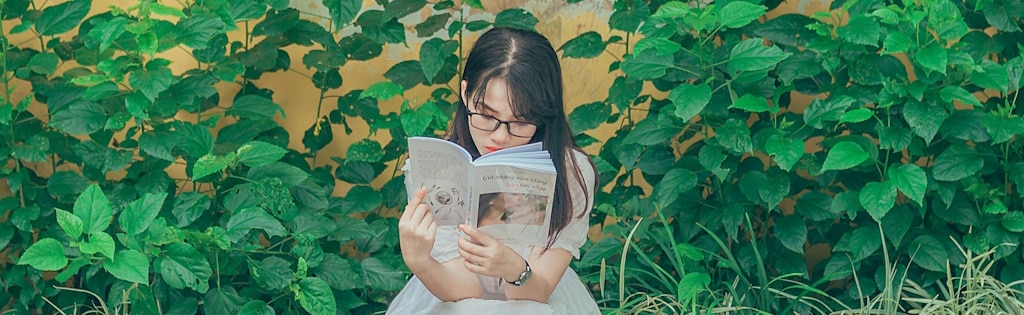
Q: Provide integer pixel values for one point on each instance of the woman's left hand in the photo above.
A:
(486, 256)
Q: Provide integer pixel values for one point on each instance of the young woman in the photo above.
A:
(511, 95)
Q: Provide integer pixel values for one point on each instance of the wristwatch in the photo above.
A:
(523, 277)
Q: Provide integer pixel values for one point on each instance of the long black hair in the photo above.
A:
(530, 68)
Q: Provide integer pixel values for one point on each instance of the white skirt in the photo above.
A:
(569, 297)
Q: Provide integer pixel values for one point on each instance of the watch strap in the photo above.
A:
(523, 277)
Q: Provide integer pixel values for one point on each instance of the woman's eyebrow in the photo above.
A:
(483, 105)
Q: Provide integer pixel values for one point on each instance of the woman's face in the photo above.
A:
(496, 104)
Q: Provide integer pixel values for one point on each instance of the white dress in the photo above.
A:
(569, 297)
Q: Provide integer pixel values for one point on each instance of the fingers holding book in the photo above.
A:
(416, 229)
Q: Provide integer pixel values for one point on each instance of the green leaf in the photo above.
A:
(844, 155)
(79, 118)
(787, 29)
(432, 24)
(848, 202)
(752, 55)
(911, 180)
(952, 92)
(136, 217)
(259, 153)
(256, 307)
(62, 17)
(476, 4)
(995, 207)
(651, 132)
(94, 209)
(316, 296)
(44, 63)
(189, 206)
(587, 45)
(878, 198)
(737, 14)
(856, 115)
(1014, 221)
(108, 32)
(663, 46)
(129, 265)
(691, 285)
(246, 219)
(1003, 129)
(787, 151)
(382, 31)
(751, 103)
(382, 91)
(47, 255)
(160, 143)
(272, 273)
(379, 275)
(676, 182)
(361, 199)
(338, 272)
(791, 230)
(256, 107)
(343, 11)
(588, 116)
(628, 17)
(672, 9)
(924, 118)
(288, 174)
(860, 243)
(773, 191)
(66, 183)
(181, 265)
(992, 76)
(646, 65)
(934, 57)
(365, 150)
(832, 109)
(839, 267)
(70, 223)
(690, 100)
(277, 22)
(151, 81)
(895, 42)
(33, 150)
(896, 224)
(894, 138)
(324, 61)
(862, 30)
(99, 242)
(209, 164)
(927, 251)
(735, 136)
(956, 163)
(197, 30)
(433, 54)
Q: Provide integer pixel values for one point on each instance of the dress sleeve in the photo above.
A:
(447, 237)
(575, 233)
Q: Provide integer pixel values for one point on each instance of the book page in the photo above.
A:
(441, 167)
(512, 204)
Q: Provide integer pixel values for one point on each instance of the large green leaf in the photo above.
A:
(433, 54)
(33, 150)
(878, 198)
(338, 272)
(70, 223)
(516, 18)
(79, 118)
(62, 17)
(856, 115)
(210, 164)
(860, 243)
(691, 285)
(774, 190)
(1002, 129)
(181, 265)
(343, 11)
(927, 251)
(246, 219)
(863, 30)
(896, 224)
(136, 217)
(379, 275)
(195, 140)
(272, 273)
(844, 155)
(752, 55)
(933, 57)
(361, 199)
(787, 151)
(647, 65)
(956, 163)
(66, 183)
(690, 100)
(735, 136)
(259, 153)
(651, 132)
(832, 109)
(99, 243)
(44, 63)
(910, 180)
(664, 46)
(255, 106)
(288, 174)
(47, 254)
(992, 76)
(94, 209)
(586, 45)
(791, 230)
(751, 103)
(129, 265)
(737, 14)
(189, 206)
(951, 92)
(894, 138)
(1013, 221)
(588, 116)
(383, 91)
(895, 42)
(675, 182)
(152, 80)
(924, 118)
(316, 296)
(255, 307)
(197, 30)
(365, 150)
(628, 17)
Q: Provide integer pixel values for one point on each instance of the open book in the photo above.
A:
(507, 194)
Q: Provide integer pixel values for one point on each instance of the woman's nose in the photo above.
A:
(501, 134)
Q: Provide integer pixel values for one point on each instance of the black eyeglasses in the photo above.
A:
(489, 123)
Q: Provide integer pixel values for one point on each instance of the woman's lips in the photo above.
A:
(491, 148)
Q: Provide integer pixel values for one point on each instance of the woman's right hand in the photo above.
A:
(416, 231)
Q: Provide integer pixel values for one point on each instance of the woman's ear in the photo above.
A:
(462, 92)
